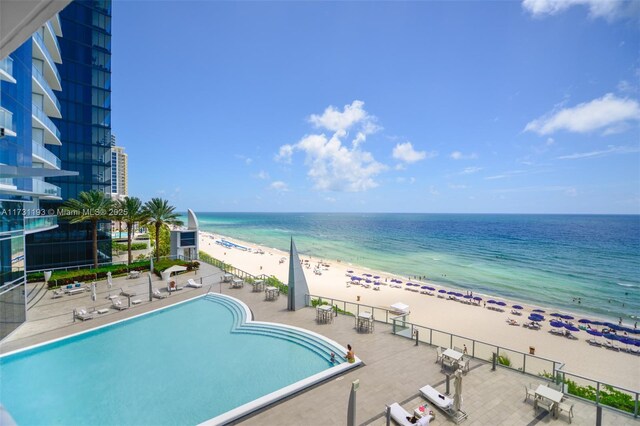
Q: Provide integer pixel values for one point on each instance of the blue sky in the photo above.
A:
(505, 107)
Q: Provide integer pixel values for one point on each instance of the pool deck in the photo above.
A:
(394, 367)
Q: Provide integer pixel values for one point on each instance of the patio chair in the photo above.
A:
(127, 292)
(117, 304)
(158, 295)
(566, 408)
(466, 365)
(82, 314)
(399, 414)
(545, 404)
(529, 392)
(191, 283)
(438, 354)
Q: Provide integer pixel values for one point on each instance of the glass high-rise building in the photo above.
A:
(85, 133)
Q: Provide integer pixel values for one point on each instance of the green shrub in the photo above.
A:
(320, 302)
(123, 247)
(59, 278)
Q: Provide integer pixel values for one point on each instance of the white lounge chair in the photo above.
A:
(127, 292)
(443, 402)
(117, 304)
(158, 295)
(82, 314)
(191, 283)
(399, 415)
(57, 293)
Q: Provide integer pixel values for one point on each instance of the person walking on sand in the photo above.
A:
(350, 356)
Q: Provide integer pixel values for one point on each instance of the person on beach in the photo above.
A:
(350, 357)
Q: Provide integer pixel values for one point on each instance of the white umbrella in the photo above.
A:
(94, 294)
(151, 265)
(109, 282)
(457, 384)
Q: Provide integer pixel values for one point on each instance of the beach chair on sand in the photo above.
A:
(399, 415)
(191, 283)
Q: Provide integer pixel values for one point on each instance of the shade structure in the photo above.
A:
(539, 310)
(567, 317)
(556, 323)
(594, 332)
(517, 307)
(109, 281)
(555, 314)
(571, 327)
(584, 321)
(429, 287)
(94, 293)
(351, 272)
(376, 277)
(400, 307)
(457, 394)
(536, 317)
(501, 304)
(477, 298)
(170, 270)
(442, 291)
(467, 296)
(298, 289)
(491, 301)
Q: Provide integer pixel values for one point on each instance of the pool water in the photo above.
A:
(180, 365)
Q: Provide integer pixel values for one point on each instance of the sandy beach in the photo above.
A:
(475, 322)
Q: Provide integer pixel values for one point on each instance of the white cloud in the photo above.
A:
(601, 153)
(433, 191)
(457, 155)
(335, 120)
(550, 142)
(625, 87)
(279, 186)
(608, 9)
(405, 152)
(284, 154)
(602, 113)
(457, 186)
(470, 170)
(333, 165)
(262, 175)
(506, 174)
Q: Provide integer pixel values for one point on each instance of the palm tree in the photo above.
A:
(92, 206)
(160, 214)
(130, 211)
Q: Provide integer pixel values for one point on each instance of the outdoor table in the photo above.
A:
(454, 356)
(324, 314)
(271, 293)
(237, 283)
(364, 321)
(227, 278)
(258, 286)
(550, 394)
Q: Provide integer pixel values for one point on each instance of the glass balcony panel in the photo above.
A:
(32, 223)
(46, 121)
(45, 188)
(6, 122)
(45, 85)
(39, 41)
(6, 70)
(52, 45)
(42, 152)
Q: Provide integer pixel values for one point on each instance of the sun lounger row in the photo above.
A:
(402, 416)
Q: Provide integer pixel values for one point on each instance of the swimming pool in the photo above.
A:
(203, 360)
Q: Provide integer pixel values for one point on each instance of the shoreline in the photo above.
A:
(472, 321)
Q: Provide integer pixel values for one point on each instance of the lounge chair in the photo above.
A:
(82, 314)
(117, 304)
(158, 295)
(594, 342)
(127, 292)
(544, 404)
(443, 402)
(438, 354)
(567, 408)
(172, 286)
(191, 283)
(57, 293)
(399, 415)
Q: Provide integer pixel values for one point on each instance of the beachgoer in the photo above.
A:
(350, 356)
(485, 304)
(620, 321)
(464, 351)
(635, 326)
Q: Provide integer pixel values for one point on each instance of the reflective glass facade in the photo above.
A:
(85, 129)
(12, 265)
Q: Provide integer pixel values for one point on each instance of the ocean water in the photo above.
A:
(548, 260)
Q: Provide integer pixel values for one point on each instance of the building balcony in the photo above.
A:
(6, 70)
(51, 41)
(41, 52)
(40, 153)
(33, 224)
(46, 190)
(55, 23)
(6, 123)
(40, 85)
(40, 120)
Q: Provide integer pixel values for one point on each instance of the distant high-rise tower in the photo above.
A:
(85, 132)
(119, 180)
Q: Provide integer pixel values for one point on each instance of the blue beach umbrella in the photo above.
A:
(478, 298)
(467, 296)
(517, 307)
(571, 327)
(555, 314)
(556, 323)
(567, 317)
(351, 272)
(501, 304)
(376, 277)
(584, 321)
(594, 332)
(424, 287)
(442, 290)
(491, 301)
(367, 281)
(539, 310)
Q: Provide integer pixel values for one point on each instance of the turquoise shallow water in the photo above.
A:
(176, 366)
(548, 260)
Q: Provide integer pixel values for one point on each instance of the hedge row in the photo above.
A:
(134, 246)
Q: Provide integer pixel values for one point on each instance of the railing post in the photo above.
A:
(451, 340)
(524, 363)
(635, 409)
(431, 336)
(473, 348)
(598, 394)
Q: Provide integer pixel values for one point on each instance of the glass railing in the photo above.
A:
(45, 154)
(45, 188)
(37, 74)
(40, 115)
(6, 65)
(40, 42)
(6, 119)
(6, 181)
(38, 222)
(53, 34)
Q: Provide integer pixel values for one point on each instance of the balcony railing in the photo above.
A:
(6, 65)
(45, 188)
(45, 154)
(53, 35)
(40, 115)
(37, 74)
(40, 42)
(6, 120)
(38, 222)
